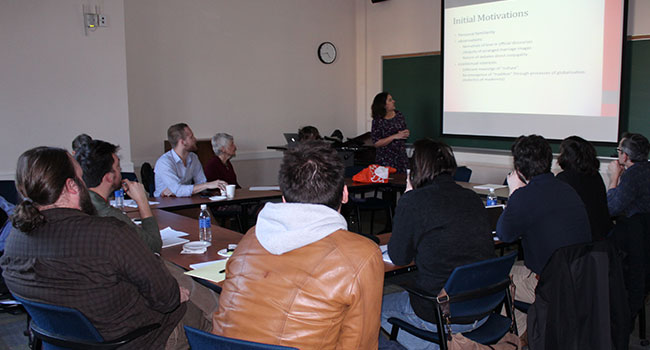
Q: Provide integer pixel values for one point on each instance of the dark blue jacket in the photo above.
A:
(547, 214)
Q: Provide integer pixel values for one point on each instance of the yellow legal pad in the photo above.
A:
(210, 271)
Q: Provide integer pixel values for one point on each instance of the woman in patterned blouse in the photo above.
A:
(389, 133)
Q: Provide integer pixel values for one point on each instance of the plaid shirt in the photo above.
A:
(632, 195)
(98, 266)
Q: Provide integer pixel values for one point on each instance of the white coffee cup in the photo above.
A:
(230, 191)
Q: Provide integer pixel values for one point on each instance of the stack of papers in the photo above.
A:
(131, 203)
(171, 237)
(212, 270)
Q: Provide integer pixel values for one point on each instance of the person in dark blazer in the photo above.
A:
(580, 170)
(439, 225)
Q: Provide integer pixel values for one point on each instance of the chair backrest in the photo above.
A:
(463, 174)
(148, 178)
(129, 176)
(200, 340)
(61, 320)
(476, 277)
(8, 191)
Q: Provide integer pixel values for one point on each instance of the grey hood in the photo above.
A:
(283, 227)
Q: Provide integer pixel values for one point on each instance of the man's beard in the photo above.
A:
(85, 203)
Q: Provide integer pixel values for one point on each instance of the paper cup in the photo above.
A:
(230, 191)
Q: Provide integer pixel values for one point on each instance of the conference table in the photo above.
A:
(242, 196)
(221, 237)
(397, 182)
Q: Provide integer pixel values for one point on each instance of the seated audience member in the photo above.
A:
(61, 253)
(6, 210)
(308, 133)
(629, 185)
(103, 175)
(542, 211)
(78, 141)
(439, 225)
(580, 170)
(299, 278)
(179, 172)
(219, 167)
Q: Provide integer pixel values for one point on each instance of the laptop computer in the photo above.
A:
(291, 138)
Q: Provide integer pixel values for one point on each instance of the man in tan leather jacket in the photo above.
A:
(299, 278)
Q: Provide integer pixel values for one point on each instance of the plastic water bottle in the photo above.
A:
(205, 226)
(491, 198)
(119, 199)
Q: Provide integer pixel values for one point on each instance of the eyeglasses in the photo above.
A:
(619, 150)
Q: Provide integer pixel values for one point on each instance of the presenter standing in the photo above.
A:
(389, 133)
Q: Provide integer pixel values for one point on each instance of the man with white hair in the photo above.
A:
(219, 167)
(629, 187)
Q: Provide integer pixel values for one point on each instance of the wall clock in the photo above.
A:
(327, 52)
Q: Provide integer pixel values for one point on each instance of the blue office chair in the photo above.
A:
(463, 174)
(200, 340)
(8, 191)
(475, 291)
(59, 327)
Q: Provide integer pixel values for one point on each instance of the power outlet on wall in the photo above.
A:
(103, 20)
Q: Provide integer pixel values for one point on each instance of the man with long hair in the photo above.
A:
(60, 253)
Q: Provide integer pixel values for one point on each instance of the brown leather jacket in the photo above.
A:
(325, 295)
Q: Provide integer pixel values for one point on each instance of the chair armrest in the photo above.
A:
(58, 340)
(420, 333)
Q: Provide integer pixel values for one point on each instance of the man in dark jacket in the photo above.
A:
(542, 211)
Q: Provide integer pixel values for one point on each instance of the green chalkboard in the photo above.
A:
(415, 84)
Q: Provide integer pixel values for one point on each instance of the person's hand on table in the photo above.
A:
(220, 184)
(166, 193)
(185, 294)
(515, 181)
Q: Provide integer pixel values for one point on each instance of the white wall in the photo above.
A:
(248, 68)
(56, 82)
(404, 27)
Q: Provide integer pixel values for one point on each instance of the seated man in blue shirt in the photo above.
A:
(179, 172)
(546, 213)
(629, 186)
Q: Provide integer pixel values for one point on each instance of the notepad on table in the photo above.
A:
(211, 272)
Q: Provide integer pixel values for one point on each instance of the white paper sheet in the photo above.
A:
(264, 188)
(488, 186)
(384, 253)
